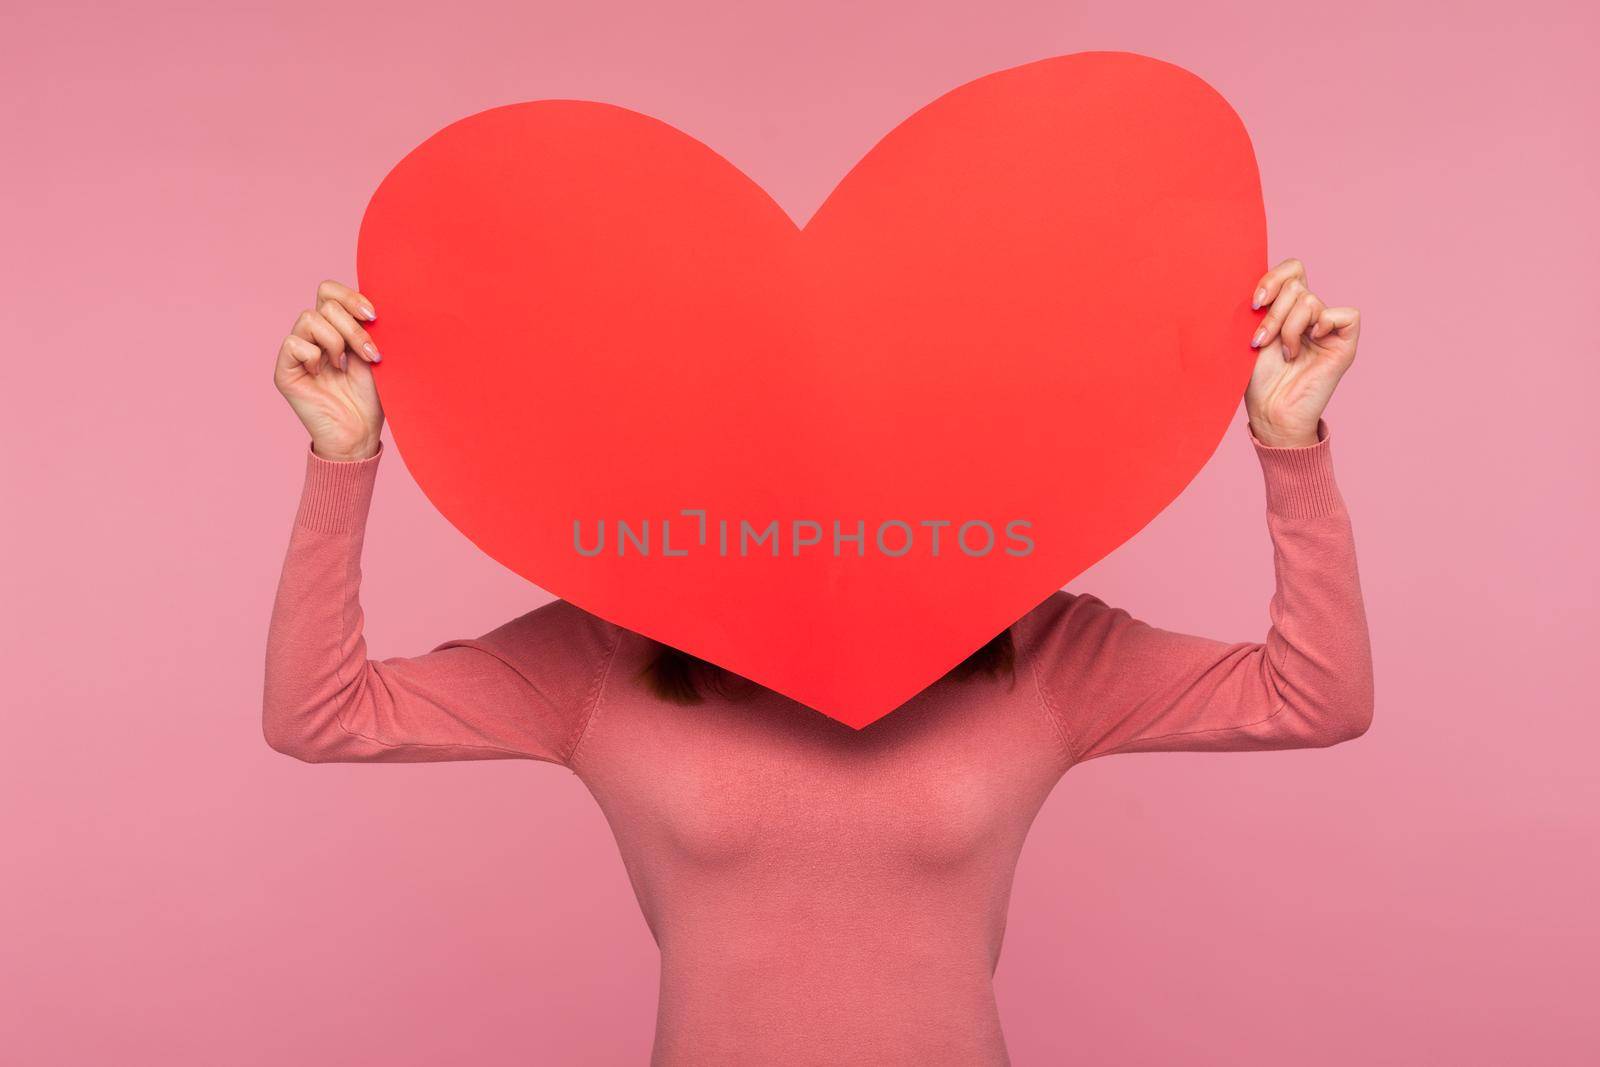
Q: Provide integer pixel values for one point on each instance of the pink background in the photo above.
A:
(179, 178)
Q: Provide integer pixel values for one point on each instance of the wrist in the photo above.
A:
(1282, 436)
(336, 493)
(1300, 482)
(348, 454)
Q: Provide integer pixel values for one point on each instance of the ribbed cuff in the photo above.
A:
(1300, 481)
(336, 495)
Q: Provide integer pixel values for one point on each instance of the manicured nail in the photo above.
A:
(372, 353)
(1260, 298)
(367, 313)
(1261, 335)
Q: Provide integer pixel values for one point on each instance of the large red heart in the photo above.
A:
(1029, 303)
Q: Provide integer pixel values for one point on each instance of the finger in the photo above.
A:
(348, 298)
(1295, 324)
(356, 339)
(1272, 282)
(1287, 294)
(313, 327)
(1345, 321)
(296, 353)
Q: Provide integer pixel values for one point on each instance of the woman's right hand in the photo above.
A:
(334, 396)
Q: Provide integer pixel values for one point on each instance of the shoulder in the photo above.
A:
(1080, 636)
(555, 635)
(1062, 613)
(555, 659)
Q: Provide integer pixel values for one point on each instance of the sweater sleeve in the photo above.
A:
(1116, 684)
(521, 691)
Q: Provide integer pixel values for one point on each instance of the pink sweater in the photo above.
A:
(821, 895)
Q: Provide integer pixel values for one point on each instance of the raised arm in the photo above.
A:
(1116, 684)
(521, 691)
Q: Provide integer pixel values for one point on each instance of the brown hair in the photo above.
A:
(677, 677)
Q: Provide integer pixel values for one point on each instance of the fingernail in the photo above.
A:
(1260, 298)
(367, 313)
(1261, 335)
(372, 353)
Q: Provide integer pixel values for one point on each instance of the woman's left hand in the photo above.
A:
(1306, 347)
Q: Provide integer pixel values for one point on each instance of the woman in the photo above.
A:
(818, 894)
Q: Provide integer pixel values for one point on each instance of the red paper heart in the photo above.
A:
(1028, 303)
